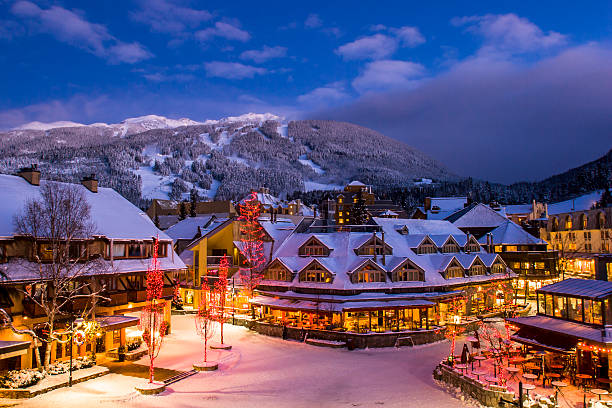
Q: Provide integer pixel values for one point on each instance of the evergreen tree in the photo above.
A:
(182, 211)
(359, 215)
(193, 198)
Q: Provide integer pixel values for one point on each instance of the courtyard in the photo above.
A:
(263, 371)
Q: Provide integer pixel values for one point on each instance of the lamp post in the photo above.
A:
(72, 321)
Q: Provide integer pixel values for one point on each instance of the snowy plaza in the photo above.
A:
(263, 371)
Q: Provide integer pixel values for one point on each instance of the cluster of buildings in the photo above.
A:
(392, 272)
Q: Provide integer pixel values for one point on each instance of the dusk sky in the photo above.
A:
(503, 91)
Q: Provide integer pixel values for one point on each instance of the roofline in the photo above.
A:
(214, 230)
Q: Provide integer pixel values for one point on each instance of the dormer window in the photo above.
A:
(315, 273)
(455, 270)
(374, 246)
(314, 247)
(478, 269)
(368, 273)
(427, 247)
(407, 273)
(568, 222)
(278, 272)
(498, 267)
(450, 246)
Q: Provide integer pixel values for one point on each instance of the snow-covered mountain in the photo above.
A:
(156, 157)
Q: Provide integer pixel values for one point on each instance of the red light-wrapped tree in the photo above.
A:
(205, 327)
(252, 235)
(152, 322)
(453, 322)
(219, 297)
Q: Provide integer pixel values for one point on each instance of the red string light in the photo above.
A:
(252, 242)
(219, 294)
(152, 322)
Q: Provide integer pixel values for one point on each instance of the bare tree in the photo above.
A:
(59, 227)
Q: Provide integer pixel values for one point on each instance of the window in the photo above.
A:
(587, 235)
(549, 305)
(316, 273)
(407, 273)
(450, 247)
(584, 221)
(374, 247)
(498, 248)
(574, 310)
(118, 250)
(116, 336)
(427, 248)
(498, 268)
(540, 265)
(472, 246)
(369, 274)
(511, 248)
(568, 222)
(478, 269)
(455, 272)
(314, 248)
(276, 272)
(559, 305)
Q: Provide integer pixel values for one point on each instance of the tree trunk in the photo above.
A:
(49, 346)
(221, 332)
(37, 356)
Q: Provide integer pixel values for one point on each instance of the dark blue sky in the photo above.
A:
(498, 90)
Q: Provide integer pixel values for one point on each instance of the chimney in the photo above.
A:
(30, 174)
(91, 183)
(427, 203)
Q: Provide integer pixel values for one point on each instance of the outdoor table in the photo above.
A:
(584, 378)
(530, 377)
(532, 367)
(480, 359)
(552, 377)
(599, 392)
(492, 380)
(556, 366)
(513, 372)
(516, 360)
(528, 387)
(606, 381)
(462, 367)
(478, 374)
(558, 385)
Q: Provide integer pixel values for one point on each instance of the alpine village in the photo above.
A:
(425, 219)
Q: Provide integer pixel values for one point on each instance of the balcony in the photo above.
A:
(216, 260)
(137, 296)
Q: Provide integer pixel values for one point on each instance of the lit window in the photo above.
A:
(341, 221)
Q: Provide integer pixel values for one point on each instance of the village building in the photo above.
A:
(573, 323)
(274, 205)
(528, 256)
(583, 237)
(438, 208)
(122, 247)
(395, 275)
(523, 214)
(167, 212)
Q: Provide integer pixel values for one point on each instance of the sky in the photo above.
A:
(503, 91)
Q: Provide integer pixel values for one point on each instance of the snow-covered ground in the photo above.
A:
(313, 185)
(307, 162)
(266, 372)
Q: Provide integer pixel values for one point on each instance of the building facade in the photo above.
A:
(115, 260)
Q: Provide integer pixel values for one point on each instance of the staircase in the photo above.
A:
(179, 377)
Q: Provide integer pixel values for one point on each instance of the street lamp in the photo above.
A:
(72, 322)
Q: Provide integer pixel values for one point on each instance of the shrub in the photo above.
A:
(21, 378)
(133, 343)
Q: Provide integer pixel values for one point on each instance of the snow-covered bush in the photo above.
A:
(21, 378)
(60, 367)
(133, 343)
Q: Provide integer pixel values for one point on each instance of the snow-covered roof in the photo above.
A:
(582, 203)
(389, 213)
(448, 203)
(188, 228)
(343, 259)
(511, 233)
(519, 209)
(356, 183)
(114, 216)
(477, 215)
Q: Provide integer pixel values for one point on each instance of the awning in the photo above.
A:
(10, 349)
(116, 322)
(545, 340)
(294, 304)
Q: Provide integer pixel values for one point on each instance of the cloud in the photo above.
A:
(387, 75)
(324, 96)
(232, 70)
(510, 33)
(380, 45)
(313, 21)
(265, 54)
(376, 46)
(409, 36)
(223, 30)
(71, 28)
(501, 120)
(168, 16)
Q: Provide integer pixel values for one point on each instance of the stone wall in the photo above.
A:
(489, 396)
(358, 340)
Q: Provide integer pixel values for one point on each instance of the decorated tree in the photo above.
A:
(252, 243)
(152, 322)
(453, 322)
(219, 295)
(205, 326)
